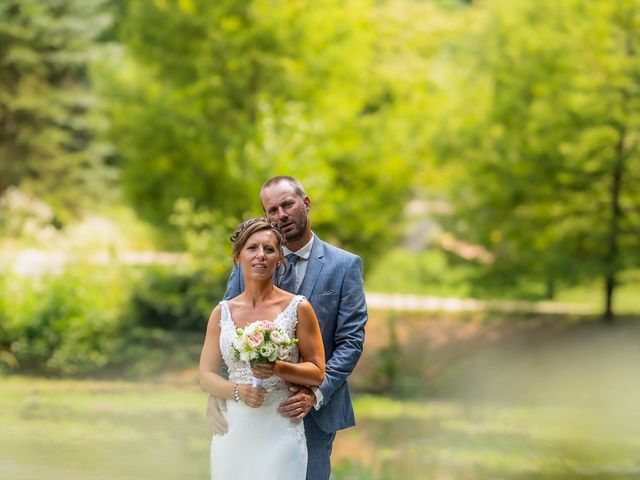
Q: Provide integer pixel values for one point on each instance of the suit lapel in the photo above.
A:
(314, 268)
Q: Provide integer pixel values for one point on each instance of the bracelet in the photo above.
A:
(236, 394)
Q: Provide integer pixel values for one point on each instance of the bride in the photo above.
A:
(260, 444)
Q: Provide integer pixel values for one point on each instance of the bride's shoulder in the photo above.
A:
(307, 321)
(214, 318)
(304, 307)
(216, 312)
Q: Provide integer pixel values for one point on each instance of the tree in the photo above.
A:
(48, 116)
(212, 98)
(549, 180)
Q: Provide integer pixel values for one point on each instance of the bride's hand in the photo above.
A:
(264, 370)
(251, 396)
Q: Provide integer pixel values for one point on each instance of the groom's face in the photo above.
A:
(286, 208)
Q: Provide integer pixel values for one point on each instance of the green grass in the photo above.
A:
(458, 440)
(101, 430)
(432, 272)
(424, 273)
(626, 296)
(117, 430)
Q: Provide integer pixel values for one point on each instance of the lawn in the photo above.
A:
(475, 396)
(68, 430)
(433, 273)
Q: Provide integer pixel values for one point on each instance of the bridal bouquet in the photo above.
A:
(261, 342)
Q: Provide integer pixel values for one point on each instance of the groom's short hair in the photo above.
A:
(299, 189)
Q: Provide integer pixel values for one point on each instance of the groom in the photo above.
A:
(331, 279)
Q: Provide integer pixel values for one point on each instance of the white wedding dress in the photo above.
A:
(260, 443)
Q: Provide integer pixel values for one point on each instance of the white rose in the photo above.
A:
(268, 350)
(238, 343)
(277, 337)
(283, 352)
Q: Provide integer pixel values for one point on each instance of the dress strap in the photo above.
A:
(294, 302)
(225, 314)
(289, 316)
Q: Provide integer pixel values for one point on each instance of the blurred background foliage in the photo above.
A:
(136, 128)
(469, 151)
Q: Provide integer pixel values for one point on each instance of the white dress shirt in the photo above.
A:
(301, 267)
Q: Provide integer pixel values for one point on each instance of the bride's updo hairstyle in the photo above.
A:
(251, 226)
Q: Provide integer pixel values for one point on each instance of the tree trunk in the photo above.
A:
(611, 257)
(610, 284)
(550, 292)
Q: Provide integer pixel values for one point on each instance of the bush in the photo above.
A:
(94, 320)
(7, 358)
(176, 300)
(145, 352)
(63, 324)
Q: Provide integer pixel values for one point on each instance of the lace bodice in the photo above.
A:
(240, 372)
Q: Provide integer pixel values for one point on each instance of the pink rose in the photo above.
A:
(256, 339)
(265, 325)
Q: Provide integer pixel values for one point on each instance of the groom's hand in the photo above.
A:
(297, 405)
(217, 423)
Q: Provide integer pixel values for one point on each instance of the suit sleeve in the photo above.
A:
(234, 287)
(349, 333)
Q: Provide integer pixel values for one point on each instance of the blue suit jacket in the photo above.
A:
(333, 284)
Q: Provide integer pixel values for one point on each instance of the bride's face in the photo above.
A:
(260, 255)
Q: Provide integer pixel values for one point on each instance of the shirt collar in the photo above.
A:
(304, 252)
